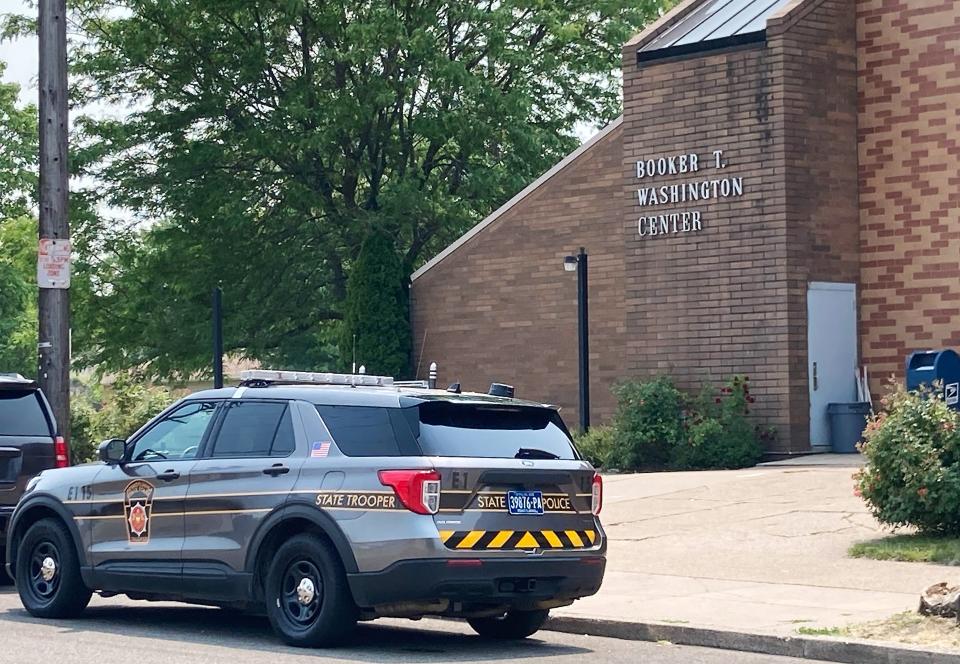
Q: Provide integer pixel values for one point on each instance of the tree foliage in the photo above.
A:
(375, 327)
(18, 152)
(18, 232)
(267, 138)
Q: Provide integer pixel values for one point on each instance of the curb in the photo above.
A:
(846, 651)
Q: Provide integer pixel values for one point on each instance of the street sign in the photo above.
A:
(53, 263)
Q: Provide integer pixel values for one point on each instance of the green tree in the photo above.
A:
(18, 151)
(375, 311)
(18, 295)
(268, 136)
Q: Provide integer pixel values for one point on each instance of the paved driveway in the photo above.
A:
(761, 549)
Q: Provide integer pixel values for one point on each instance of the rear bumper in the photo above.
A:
(501, 581)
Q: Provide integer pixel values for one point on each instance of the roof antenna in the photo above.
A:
(354, 368)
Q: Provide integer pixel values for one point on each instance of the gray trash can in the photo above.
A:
(847, 422)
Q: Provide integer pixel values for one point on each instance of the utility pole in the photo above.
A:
(54, 338)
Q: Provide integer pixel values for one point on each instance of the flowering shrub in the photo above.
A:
(657, 426)
(912, 475)
(720, 434)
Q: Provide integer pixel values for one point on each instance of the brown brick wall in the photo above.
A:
(909, 148)
(813, 50)
(732, 298)
(501, 308)
(699, 306)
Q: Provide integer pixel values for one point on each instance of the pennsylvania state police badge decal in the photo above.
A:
(137, 503)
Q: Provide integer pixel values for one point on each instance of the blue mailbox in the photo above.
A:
(926, 366)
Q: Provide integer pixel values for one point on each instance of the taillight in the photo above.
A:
(596, 495)
(418, 490)
(61, 453)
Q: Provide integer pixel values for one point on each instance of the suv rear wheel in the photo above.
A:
(512, 625)
(48, 572)
(308, 600)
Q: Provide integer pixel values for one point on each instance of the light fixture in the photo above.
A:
(570, 263)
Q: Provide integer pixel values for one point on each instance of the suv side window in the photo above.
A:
(369, 431)
(255, 429)
(178, 435)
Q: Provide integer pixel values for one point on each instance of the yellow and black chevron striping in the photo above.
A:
(517, 539)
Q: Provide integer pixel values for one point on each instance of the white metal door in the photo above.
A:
(831, 351)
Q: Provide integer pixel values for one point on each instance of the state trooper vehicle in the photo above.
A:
(323, 499)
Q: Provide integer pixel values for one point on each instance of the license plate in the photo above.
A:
(525, 502)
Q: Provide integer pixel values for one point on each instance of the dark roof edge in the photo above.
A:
(758, 37)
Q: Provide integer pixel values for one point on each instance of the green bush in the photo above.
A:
(595, 445)
(648, 424)
(912, 474)
(720, 434)
(112, 411)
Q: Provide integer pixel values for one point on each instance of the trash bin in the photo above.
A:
(926, 366)
(847, 422)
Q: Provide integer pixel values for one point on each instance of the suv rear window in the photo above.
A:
(22, 414)
(498, 432)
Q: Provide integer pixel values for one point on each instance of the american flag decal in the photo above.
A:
(320, 450)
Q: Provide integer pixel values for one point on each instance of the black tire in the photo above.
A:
(61, 596)
(510, 626)
(330, 615)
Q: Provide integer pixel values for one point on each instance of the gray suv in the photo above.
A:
(323, 499)
(28, 443)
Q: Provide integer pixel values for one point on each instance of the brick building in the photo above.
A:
(779, 199)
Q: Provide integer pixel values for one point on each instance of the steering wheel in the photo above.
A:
(142, 455)
(189, 452)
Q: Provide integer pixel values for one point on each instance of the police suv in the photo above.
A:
(323, 499)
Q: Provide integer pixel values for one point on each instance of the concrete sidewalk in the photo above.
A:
(760, 551)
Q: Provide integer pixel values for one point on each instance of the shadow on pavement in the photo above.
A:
(372, 642)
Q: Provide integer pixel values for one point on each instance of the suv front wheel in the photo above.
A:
(48, 572)
(512, 625)
(308, 600)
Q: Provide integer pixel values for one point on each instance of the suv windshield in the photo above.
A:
(22, 414)
(499, 432)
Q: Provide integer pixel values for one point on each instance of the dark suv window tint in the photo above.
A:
(369, 431)
(254, 429)
(22, 414)
(501, 432)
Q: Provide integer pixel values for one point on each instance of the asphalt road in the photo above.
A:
(120, 631)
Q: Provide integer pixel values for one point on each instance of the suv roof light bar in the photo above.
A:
(412, 383)
(266, 376)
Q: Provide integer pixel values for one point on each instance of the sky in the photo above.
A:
(21, 55)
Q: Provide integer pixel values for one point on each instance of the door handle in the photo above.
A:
(814, 376)
(276, 469)
(168, 476)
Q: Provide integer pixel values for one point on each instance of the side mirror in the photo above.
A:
(112, 451)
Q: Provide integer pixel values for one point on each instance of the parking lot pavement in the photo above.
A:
(760, 550)
(119, 631)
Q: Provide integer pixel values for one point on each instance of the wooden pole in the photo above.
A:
(54, 325)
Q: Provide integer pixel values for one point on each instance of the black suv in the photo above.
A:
(28, 442)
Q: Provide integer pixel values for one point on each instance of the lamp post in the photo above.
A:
(578, 263)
